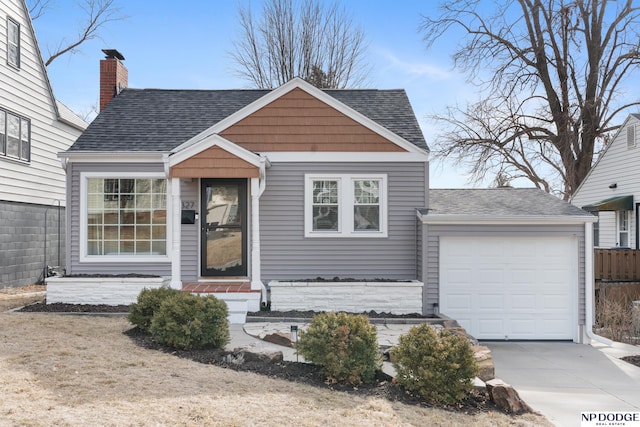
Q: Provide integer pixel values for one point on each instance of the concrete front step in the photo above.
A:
(240, 298)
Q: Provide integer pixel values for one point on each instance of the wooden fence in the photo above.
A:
(617, 265)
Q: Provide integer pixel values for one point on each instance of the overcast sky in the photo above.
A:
(185, 45)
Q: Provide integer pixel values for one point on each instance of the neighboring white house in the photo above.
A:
(33, 129)
(611, 190)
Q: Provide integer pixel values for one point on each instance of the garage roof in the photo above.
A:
(496, 203)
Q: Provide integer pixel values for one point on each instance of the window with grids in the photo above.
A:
(15, 136)
(126, 216)
(13, 43)
(345, 205)
(366, 204)
(623, 229)
(326, 205)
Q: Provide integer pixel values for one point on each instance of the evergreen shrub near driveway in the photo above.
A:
(345, 345)
(438, 366)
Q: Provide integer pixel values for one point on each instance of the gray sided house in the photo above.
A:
(249, 195)
(34, 127)
(279, 196)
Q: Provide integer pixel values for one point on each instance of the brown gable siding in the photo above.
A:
(214, 162)
(299, 122)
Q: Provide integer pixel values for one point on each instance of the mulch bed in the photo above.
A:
(634, 360)
(310, 374)
(59, 307)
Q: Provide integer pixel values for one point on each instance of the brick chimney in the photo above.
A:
(114, 76)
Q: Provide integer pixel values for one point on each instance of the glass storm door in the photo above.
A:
(224, 227)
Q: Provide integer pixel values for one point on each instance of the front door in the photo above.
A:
(224, 227)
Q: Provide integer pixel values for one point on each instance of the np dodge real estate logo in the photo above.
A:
(602, 419)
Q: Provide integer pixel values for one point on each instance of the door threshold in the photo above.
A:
(215, 279)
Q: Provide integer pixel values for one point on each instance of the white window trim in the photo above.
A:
(84, 258)
(345, 206)
(619, 231)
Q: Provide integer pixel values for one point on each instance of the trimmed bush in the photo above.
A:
(186, 322)
(345, 345)
(438, 366)
(149, 301)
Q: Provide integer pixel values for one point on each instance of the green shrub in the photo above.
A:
(439, 366)
(188, 322)
(345, 345)
(149, 300)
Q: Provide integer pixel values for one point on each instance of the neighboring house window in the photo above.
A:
(13, 43)
(623, 228)
(126, 217)
(596, 230)
(15, 136)
(345, 205)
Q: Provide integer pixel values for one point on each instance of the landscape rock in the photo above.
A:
(450, 324)
(506, 398)
(453, 327)
(279, 338)
(479, 385)
(484, 360)
(254, 353)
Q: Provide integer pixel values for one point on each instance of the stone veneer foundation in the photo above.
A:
(100, 290)
(402, 297)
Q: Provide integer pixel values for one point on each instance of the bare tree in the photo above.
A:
(38, 7)
(97, 14)
(314, 41)
(552, 75)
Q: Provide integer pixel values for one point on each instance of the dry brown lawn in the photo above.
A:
(82, 370)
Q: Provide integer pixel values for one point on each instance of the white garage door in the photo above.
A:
(510, 288)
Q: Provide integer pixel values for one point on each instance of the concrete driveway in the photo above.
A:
(560, 379)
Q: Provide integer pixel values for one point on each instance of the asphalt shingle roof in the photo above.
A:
(160, 119)
(499, 202)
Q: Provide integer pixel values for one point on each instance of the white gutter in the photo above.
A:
(504, 219)
(113, 156)
(588, 285)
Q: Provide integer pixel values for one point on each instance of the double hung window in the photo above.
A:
(13, 43)
(345, 205)
(15, 136)
(623, 228)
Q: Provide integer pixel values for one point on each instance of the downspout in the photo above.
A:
(59, 235)
(264, 164)
(588, 285)
(44, 267)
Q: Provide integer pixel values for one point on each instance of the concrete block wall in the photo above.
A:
(354, 297)
(22, 242)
